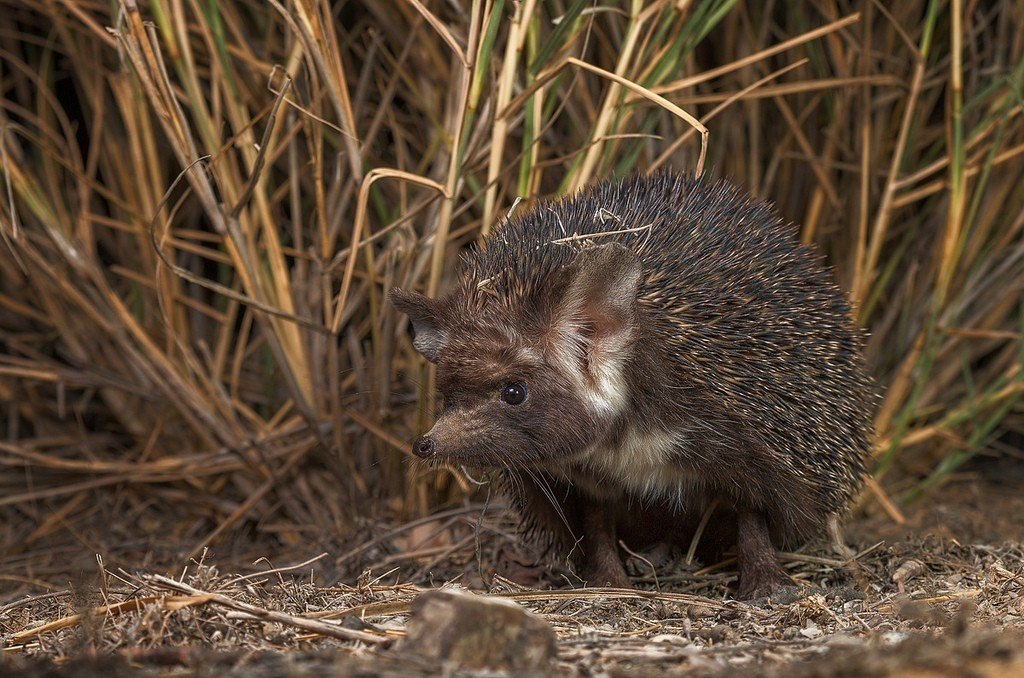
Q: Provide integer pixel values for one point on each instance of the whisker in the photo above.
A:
(545, 488)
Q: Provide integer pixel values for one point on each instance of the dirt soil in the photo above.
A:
(940, 595)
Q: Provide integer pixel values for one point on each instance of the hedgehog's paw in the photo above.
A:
(608, 572)
(762, 582)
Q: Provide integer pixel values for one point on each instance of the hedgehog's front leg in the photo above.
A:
(602, 564)
(760, 572)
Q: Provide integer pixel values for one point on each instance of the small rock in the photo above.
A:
(472, 631)
(670, 639)
(811, 630)
(715, 634)
(919, 613)
(905, 572)
(893, 637)
(698, 611)
(848, 594)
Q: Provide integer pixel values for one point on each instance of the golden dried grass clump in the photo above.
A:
(204, 202)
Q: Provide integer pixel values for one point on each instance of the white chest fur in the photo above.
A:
(644, 463)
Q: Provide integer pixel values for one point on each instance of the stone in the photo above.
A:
(473, 631)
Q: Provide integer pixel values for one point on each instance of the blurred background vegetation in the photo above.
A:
(203, 203)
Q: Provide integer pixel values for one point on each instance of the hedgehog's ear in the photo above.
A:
(425, 314)
(598, 309)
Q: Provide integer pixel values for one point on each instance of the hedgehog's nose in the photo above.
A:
(423, 447)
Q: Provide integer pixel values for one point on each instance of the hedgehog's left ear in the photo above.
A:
(425, 315)
(598, 310)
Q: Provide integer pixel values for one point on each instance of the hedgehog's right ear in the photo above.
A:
(424, 313)
(597, 310)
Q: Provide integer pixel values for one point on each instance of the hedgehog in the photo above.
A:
(643, 353)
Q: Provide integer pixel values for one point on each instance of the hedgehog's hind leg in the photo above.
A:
(760, 572)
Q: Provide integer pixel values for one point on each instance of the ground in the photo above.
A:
(939, 595)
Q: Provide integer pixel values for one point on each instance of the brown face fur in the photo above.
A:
(565, 346)
(477, 427)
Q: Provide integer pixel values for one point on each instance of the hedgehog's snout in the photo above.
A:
(424, 447)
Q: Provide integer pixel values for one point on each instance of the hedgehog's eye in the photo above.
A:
(513, 394)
